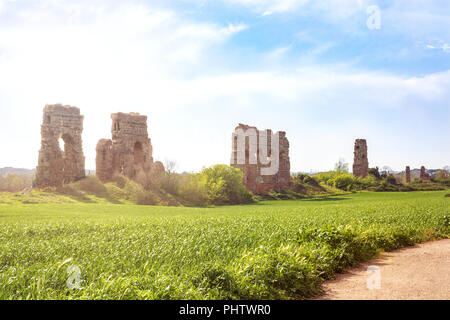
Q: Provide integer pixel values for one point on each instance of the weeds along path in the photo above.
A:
(412, 273)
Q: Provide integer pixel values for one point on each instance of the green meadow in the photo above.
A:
(267, 250)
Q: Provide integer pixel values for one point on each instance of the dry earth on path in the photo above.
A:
(412, 273)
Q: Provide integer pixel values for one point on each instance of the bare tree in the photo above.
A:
(341, 166)
(387, 170)
(170, 166)
(171, 178)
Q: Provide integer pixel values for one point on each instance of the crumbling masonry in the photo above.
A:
(254, 178)
(424, 175)
(360, 160)
(56, 166)
(129, 153)
(408, 174)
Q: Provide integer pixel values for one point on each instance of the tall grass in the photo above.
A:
(269, 250)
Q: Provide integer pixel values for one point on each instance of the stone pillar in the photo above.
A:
(360, 160)
(408, 174)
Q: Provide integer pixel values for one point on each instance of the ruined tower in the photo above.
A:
(360, 160)
(56, 167)
(130, 150)
(253, 152)
(408, 174)
(424, 174)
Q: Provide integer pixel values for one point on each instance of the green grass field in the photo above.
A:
(274, 250)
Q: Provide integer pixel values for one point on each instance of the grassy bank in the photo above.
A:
(272, 249)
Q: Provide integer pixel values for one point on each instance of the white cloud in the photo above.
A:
(331, 10)
(278, 53)
(268, 7)
(102, 59)
(439, 45)
(132, 58)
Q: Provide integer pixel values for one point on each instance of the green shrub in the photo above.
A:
(132, 189)
(217, 185)
(375, 173)
(120, 181)
(91, 185)
(367, 182)
(343, 181)
(115, 192)
(338, 179)
(391, 179)
(147, 197)
(224, 185)
(123, 188)
(326, 177)
(302, 184)
(442, 177)
(67, 190)
(194, 190)
(171, 182)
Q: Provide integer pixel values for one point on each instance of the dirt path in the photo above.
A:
(413, 273)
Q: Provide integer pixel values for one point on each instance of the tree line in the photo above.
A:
(14, 182)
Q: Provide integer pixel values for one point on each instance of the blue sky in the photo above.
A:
(198, 68)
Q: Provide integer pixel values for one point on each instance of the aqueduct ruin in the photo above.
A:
(56, 166)
(262, 156)
(265, 162)
(129, 153)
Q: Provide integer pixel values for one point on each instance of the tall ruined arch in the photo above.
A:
(56, 165)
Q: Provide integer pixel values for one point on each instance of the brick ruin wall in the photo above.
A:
(129, 152)
(253, 179)
(56, 166)
(360, 160)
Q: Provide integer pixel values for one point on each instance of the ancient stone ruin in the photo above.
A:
(360, 160)
(263, 157)
(129, 153)
(56, 166)
(424, 175)
(408, 174)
